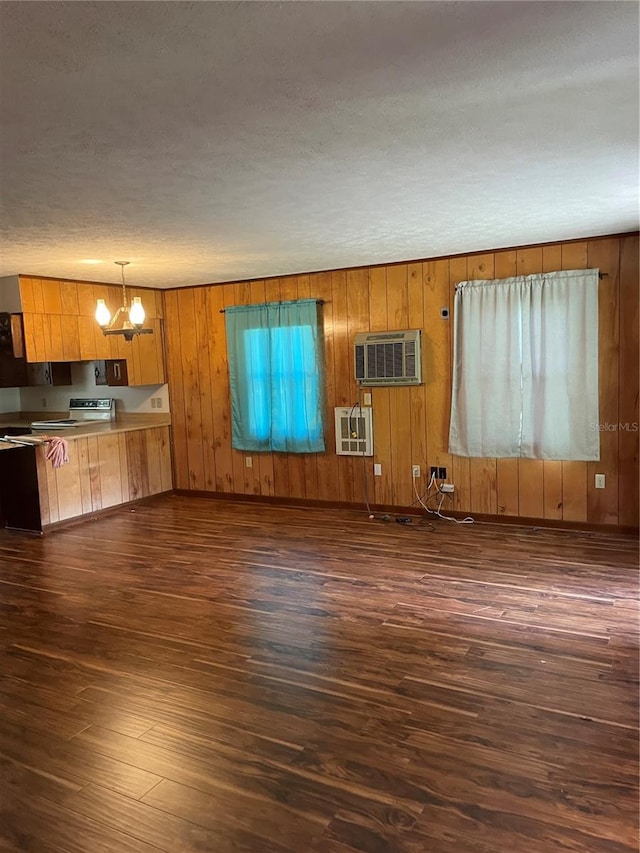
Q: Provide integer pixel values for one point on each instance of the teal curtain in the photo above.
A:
(275, 373)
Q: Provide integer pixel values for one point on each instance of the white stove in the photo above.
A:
(82, 411)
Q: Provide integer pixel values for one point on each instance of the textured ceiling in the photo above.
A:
(215, 141)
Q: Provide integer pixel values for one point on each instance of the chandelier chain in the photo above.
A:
(122, 265)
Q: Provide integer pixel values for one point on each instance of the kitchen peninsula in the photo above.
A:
(110, 463)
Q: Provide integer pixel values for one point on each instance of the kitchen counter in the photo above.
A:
(110, 463)
(122, 423)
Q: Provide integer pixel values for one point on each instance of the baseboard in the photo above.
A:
(480, 518)
(91, 516)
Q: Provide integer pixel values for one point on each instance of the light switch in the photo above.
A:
(377, 469)
(248, 461)
(599, 481)
(367, 399)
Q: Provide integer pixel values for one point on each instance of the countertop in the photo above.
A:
(122, 423)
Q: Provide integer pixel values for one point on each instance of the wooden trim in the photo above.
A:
(478, 517)
(387, 264)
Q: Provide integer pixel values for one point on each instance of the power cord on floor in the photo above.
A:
(437, 512)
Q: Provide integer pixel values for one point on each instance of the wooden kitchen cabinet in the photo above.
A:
(50, 373)
(113, 372)
(104, 471)
(146, 356)
(60, 325)
(51, 337)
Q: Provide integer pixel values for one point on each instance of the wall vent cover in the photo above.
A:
(388, 358)
(354, 431)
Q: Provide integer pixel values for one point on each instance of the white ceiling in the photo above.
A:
(215, 141)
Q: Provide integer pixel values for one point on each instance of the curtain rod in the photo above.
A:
(318, 302)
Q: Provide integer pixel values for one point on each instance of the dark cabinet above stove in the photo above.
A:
(111, 372)
(50, 373)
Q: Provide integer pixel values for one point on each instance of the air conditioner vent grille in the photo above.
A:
(390, 358)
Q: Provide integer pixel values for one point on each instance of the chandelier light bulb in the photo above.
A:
(103, 315)
(136, 312)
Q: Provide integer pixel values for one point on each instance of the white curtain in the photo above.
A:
(525, 367)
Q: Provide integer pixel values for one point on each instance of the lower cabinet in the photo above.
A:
(104, 471)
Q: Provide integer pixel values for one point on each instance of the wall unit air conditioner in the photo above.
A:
(388, 358)
(354, 431)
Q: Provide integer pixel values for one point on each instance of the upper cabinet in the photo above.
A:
(60, 325)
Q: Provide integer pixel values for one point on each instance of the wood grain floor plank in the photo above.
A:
(269, 679)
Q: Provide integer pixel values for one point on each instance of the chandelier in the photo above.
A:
(131, 317)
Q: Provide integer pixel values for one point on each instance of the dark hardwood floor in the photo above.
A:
(202, 676)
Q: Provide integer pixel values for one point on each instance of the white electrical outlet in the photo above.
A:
(447, 488)
(248, 462)
(377, 469)
(415, 471)
(599, 481)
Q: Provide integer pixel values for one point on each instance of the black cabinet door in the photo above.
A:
(13, 371)
(19, 496)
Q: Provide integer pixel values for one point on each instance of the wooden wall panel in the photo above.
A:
(221, 415)
(204, 386)
(436, 359)
(628, 417)
(327, 463)
(357, 321)
(176, 391)
(400, 398)
(603, 503)
(237, 294)
(418, 394)
(191, 363)
(411, 425)
(345, 393)
(381, 397)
